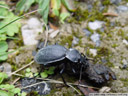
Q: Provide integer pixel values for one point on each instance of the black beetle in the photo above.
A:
(53, 55)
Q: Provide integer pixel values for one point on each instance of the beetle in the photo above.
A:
(52, 55)
(55, 55)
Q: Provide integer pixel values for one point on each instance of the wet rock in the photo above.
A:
(31, 30)
(42, 88)
(75, 41)
(122, 8)
(93, 52)
(87, 32)
(96, 39)
(7, 68)
(95, 25)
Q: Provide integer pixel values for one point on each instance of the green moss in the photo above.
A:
(65, 40)
(19, 42)
(103, 51)
(121, 33)
(125, 81)
(106, 2)
(82, 15)
(115, 45)
(89, 29)
(79, 16)
(28, 60)
(96, 15)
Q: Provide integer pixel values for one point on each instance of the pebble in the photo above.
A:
(1, 68)
(93, 52)
(102, 29)
(31, 30)
(90, 7)
(95, 25)
(116, 2)
(125, 42)
(125, 64)
(101, 8)
(7, 68)
(96, 39)
(104, 89)
(122, 8)
(75, 41)
(54, 34)
(87, 32)
(112, 24)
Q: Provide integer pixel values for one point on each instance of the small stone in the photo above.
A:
(7, 68)
(54, 34)
(104, 89)
(96, 39)
(125, 42)
(93, 52)
(75, 41)
(125, 64)
(33, 23)
(101, 8)
(112, 24)
(1, 68)
(30, 31)
(122, 8)
(102, 29)
(90, 7)
(95, 25)
(87, 32)
(116, 2)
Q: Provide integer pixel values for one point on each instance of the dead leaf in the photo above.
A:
(110, 14)
(53, 26)
(86, 90)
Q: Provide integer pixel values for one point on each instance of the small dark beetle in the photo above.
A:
(55, 55)
(52, 54)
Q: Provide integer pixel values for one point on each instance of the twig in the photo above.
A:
(22, 68)
(56, 81)
(60, 82)
(19, 18)
(4, 7)
(75, 89)
(15, 80)
(110, 14)
(51, 82)
(46, 34)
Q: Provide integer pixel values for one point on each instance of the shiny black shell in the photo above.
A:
(50, 54)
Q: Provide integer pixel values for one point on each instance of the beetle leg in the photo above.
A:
(63, 79)
(73, 69)
(80, 73)
(61, 71)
